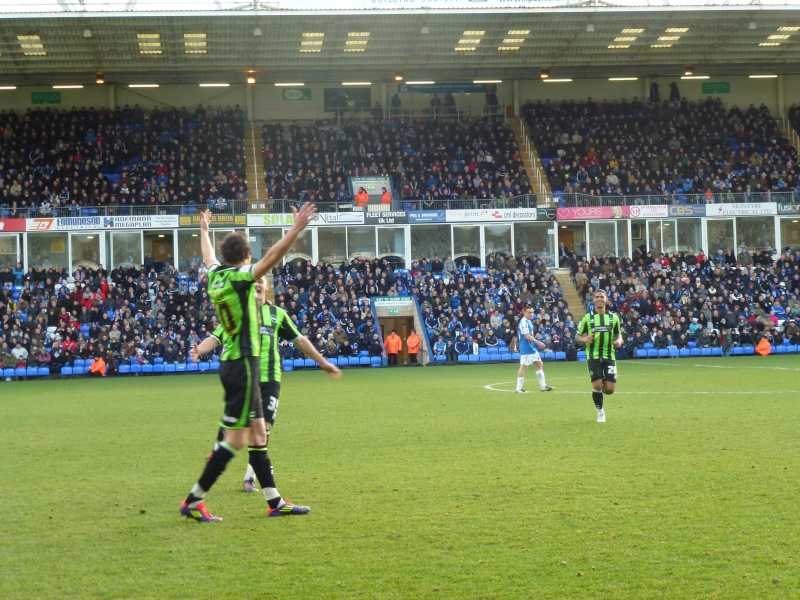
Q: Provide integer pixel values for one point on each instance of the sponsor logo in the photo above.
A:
(228, 419)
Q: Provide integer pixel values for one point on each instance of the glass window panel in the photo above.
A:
(638, 235)
(720, 237)
(47, 250)
(654, 236)
(158, 250)
(622, 238)
(301, 247)
(127, 249)
(602, 240)
(755, 233)
(467, 240)
(360, 242)
(217, 236)
(790, 233)
(668, 236)
(85, 250)
(533, 239)
(190, 256)
(572, 236)
(263, 239)
(8, 251)
(430, 241)
(690, 237)
(497, 238)
(392, 242)
(332, 243)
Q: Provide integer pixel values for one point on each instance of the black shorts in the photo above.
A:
(270, 397)
(603, 369)
(242, 393)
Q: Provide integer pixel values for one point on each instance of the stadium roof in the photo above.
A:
(67, 38)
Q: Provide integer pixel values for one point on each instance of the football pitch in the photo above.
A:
(423, 483)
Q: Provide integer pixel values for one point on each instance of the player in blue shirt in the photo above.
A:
(529, 355)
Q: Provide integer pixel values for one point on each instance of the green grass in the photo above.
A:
(423, 484)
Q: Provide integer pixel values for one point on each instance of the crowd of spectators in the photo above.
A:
(683, 299)
(54, 159)
(439, 159)
(140, 316)
(673, 148)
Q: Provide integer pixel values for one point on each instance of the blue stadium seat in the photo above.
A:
(363, 353)
(215, 365)
(204, 366)
(493, 350)
(549, 356)
(124, 369)
(582, 355)
(65, 371)
(352, 361)
(706, 351)
(473, 358)
(19, 372)
(749, 349)
(309, 364)
(288, 367)
(484, 358)
(684, 352)
(180, 367)
(692, 344)
(506, 356)
(30, 372)
(136, 369)
(43, 372)
(561, 356)
(652, 353)
(794, 348)
(147, 369)
(439, 358)
(696, 352)
(363, 361)
(78, 362)
(640, 353)
(298, 363)
(192, 367)
(737, 351)
(375, 361)
(515, 355)
(716, 352)
(287, 362)
(663, 353)
(159, 368)
(158, 360)
(648, 346)
(463, 358)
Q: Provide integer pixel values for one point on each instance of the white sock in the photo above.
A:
(540, 377)
(520, 383)
(271, 493)
(250, 474)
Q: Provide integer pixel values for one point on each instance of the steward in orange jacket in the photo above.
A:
(362, 198)
(393, 345)
(413, 342)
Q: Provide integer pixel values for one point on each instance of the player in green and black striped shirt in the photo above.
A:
(276, 326)
(231, 288)
(600, 330)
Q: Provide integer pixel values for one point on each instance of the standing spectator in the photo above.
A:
(386, 198)
(20, 354)
(362, 198)
(393, 345)
(440, 347)
(413, 343)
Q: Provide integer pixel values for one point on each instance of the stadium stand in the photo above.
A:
(426, 159)
(53, 161)
(668, 148)
(683, 305)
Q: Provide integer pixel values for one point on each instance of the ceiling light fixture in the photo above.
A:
(688, 70)
(8, 87)
(668, 38)
(87, 34)
(356, 83)
(623, 79)
(618, 46)
(507, 48)
(473, 33)
(282, 84)
(68, 87)
(420, 82)
(99, 79)
(779, 36)
(661, 45)
(561, 80)
(313, 34)
(398, 77)
(214, 85)
(695, 77)
(544, 74)
(769, 44)
(788, 29)
(519, 32)
(625, 38)
(763, 76)
(465, 48)
(633, 30)
(486, 81)
(251, 79)
(513, 41)
(676, 30)
(142, 85)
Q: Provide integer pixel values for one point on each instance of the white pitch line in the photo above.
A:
(702, 366)
(492, 388)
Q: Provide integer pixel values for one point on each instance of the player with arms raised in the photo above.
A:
(601, 331)
(232, 290)
(529, 355)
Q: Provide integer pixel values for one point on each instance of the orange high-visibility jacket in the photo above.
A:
(413, 343)
(393, 344)
(763, 347)
(98, 366)
(386, 198)
(362, 199)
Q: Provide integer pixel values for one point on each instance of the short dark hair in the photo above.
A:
(235, 249)
(600, 291)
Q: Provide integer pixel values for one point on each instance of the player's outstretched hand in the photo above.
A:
(332, 370)
(205, 220)
(618, 342)
(540, 345)
(304, 216)
(195, 354)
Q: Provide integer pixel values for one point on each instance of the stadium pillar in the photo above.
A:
(112, 96)
(781, 92)
(778, 240)
(515, 96)
(385, 99)
(248, 101)
(24, 251)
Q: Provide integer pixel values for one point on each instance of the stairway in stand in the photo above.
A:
(791, 134)
(571, 296)
(532, 163)
(254, 168)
